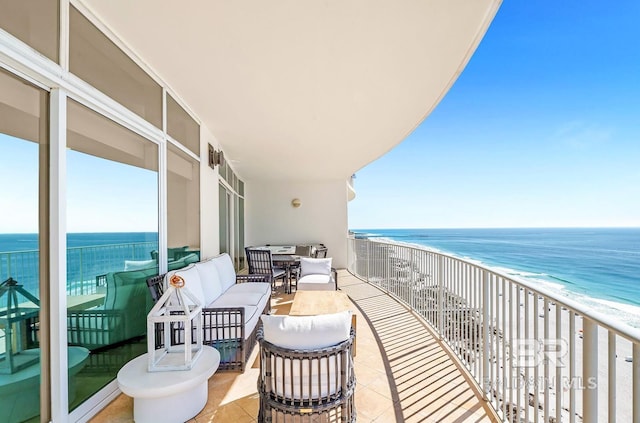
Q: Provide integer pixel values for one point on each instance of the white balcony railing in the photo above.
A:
(538, 357)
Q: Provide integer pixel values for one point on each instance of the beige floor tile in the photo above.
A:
(120, 410)
(370, 405)
(383, 386)
(411, 380)
(225, 413)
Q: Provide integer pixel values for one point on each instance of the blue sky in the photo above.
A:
(542, 129)
(102, 196)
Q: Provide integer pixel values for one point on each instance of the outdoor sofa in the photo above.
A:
(232, 306)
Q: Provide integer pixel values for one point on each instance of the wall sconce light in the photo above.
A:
(295, 203)
(216, 158)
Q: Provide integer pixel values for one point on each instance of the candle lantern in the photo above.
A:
(171, 325)
(19, 311)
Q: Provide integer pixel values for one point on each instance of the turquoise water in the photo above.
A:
(26, 242)
(599, 267)
(88, 255)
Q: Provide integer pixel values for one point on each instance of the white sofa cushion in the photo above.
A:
(314, 266)
(250, 287)
(225, 270)
(316, 283)
(229, 299)
(192, 282)
(211, 285)
(315, 279)
(307, 332)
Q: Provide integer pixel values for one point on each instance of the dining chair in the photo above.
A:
(321, 251)
(260, 262)
(303, 250)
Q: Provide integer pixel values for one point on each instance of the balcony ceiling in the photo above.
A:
(303, 90)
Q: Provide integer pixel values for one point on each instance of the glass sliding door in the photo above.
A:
(238, 229)
(183, 208)
(225, 220)
(112, 223)
(231, 213)
(24, 169)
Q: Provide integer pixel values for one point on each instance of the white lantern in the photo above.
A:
(178, 320)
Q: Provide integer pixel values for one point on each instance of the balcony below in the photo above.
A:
(403, 372)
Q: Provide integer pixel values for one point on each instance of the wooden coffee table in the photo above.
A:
(311, 303)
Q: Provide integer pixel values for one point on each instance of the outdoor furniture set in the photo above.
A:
(306, 364)
(232, 305)
(306, 273)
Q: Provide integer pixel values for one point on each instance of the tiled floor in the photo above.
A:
(403, 374)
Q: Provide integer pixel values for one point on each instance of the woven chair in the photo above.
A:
(306, 385)
(261, 263)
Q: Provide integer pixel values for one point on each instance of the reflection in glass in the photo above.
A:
(182, 127)
(112, 221)
(183, 208)
(97, 60)
(224, 220)
(35, 23)
(23, 246)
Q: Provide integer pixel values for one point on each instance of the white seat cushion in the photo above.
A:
(229, 299)
(316, 283)
(250, 287)
(316, 279)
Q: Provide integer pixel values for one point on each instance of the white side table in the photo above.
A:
(168, 397)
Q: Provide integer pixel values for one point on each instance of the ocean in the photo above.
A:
(600, 267)
(88, 255)
(26, 242)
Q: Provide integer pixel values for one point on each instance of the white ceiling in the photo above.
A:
(303, 90)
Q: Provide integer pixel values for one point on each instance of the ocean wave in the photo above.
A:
(416, 245)
(555, 287)
(515, 272)
(559, 287)
(626, 313)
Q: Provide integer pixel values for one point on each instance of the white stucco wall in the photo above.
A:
(321, 218)
(209, 223)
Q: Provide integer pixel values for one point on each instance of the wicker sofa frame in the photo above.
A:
(279, 406)
(219, 324)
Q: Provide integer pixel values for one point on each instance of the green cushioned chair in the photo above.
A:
(122, 316)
